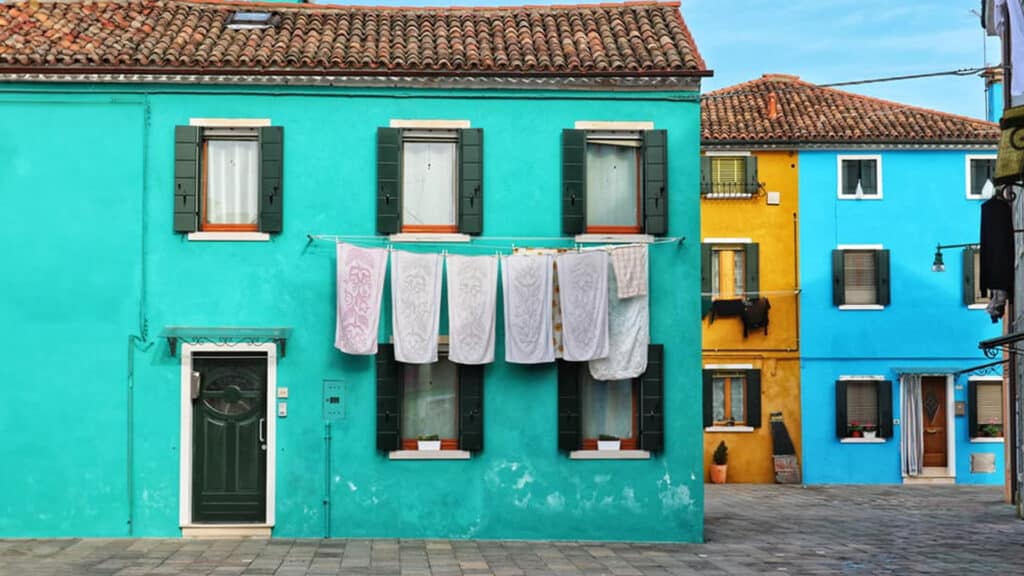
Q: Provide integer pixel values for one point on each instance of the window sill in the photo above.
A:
(980, 306)
(228, 237)
(609, 455)
(987, 440)
(429, 237)
(429, 455)
(862, 441)
(851, 197)
(729, 429)
(861, 307)
(614, 239)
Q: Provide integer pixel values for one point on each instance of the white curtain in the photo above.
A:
(611, 185)
(607, 407)
(428, 400)
(232, 186)
(428, 183)
(912, 428)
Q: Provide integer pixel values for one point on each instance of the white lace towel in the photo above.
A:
(629, 333)
(630, 263)
(526, 283)
(361, 274)
(415, 306)
(583, 285)
(472, 300)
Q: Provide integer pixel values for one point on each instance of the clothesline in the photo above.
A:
(759, 292)
(490, 243)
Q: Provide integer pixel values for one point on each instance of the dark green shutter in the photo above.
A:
(882, 276)
(972, 409)
(705, 279)
(389, 180)
(471, 181)
(655, 182)
(750, 166)
(869, 177)
(706, 185)
(842, 430)
(652, 400)
(186, 178)
(838, 278)
(569, 425)
(709, 398)
(389, 399)
(850, 174)
(753, 398)
(271, 178)
(968, 275)
(471, 408)
(885, 409)
(752, 263)
(574, 182)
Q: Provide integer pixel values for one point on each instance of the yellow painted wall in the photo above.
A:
(777, 353)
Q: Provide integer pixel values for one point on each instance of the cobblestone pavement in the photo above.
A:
(749, 530)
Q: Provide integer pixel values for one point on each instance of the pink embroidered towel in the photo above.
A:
(415, 306)
(360, 286)
(583, 286)
(526, 283)
(472, 299)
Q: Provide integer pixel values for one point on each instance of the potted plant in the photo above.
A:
(870, 431)
(608, 442)
(855, 429)
(720, 463)
(992, 430)
(428, 442)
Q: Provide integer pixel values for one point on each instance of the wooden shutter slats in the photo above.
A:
(389, 180)
(885, 409)
(652, 392)
(271, 193)
(882, 275)
(750, 176)
(471, 181)
(655, 193)
(838, 278)
(574, 182)
(989, 403)
(570, 436)
(389, 399)
(842, 420)
(471, 408)
(186, 178)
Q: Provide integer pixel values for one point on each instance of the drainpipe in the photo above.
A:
(796, 275)
(327, 479)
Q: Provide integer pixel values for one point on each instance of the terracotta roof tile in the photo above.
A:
(810, 114)
(632, 39)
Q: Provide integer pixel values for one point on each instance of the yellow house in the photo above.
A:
(750, 285)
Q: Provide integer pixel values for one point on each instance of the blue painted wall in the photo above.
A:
(994, 102)
(86, 174)
(925, 327)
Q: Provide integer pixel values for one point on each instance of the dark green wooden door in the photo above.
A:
(229, 450)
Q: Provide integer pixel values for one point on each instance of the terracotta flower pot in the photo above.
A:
(718, 473)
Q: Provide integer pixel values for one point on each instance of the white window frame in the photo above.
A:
(839, 176)
(967, 174)
(1002, 391)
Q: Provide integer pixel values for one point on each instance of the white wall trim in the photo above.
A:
(602, 125)
(967, 174)
(950, 427)
(860, 247)
(729, 429)
(839, 176)
(428, 237)
(429, 455)
(430, 124)
(729, 367)
(863, 440)
(985, 379)
(229, 122)
(185, 440)
(860, 378)
(977, 306)
(614, 239)
(727, 153)
(861, 307)
(228, 237)
(987, 440)
(728, 241)
(609, 455)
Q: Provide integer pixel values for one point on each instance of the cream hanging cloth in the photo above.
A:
(583, 283)
(630, 264)
(472, 304)
(360, 280)
(526, 283)
(629, 333)
(415, 306)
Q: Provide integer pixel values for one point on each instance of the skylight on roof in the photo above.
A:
(244, 20)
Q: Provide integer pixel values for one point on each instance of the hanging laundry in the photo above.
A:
(996, 305)
(1015, 35)
(997, 265)
(583, 282)
(526, 283)
(726, 309)
(415, 306)
(556, 314)
(630, 263)
(755, 315)
(472, 300)
(629, 334)
(360, 280)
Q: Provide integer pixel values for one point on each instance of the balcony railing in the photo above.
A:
(739, 190)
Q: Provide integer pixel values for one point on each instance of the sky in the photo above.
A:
(825, 41)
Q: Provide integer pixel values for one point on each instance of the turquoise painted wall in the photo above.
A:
(926, 326)
(80, 295)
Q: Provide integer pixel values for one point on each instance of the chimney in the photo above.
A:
(993, 93)
(773, 106)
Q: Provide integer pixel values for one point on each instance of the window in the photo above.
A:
(243, 20)
(860, 177)
(441, 400)
(732, 398)
(863, 408)
(729, 270)
(972, 292)
(986, 408)
(860, 277)
(429, 180)
(980, 172)
(729, 176)
(629, 410)
(614, 181)
(228, 179)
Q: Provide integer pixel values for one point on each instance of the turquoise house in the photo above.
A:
(175, 176)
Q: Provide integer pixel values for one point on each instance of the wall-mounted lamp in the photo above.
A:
(937, 264)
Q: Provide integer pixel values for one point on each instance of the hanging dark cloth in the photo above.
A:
(996, 245)
(726, 309)
(755, 315)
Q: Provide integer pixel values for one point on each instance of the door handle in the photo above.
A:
(932, 430)
(263, 435)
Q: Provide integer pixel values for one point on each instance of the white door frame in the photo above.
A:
(950, 421)
(185, 448)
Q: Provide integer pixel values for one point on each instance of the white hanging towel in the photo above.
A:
(361, 274)
(526, 283)
(472, 304)
(415, 306)
(583, 285)
(629, 333)
(630, 264)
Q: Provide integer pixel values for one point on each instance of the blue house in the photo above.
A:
(175, 178)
